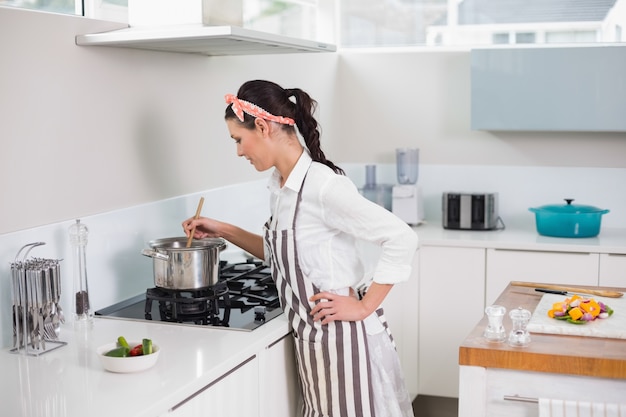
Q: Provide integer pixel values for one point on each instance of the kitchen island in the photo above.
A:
(497, 379)
(229, 372)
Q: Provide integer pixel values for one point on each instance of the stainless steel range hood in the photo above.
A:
(204, 40)
(207, 27)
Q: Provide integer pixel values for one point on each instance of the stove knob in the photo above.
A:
(259, 313)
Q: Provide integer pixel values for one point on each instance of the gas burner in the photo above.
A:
(244, 298)
(255, 288)
(199, 306)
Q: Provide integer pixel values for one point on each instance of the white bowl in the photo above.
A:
(130, 363)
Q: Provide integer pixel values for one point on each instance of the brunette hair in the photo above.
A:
(276, 100)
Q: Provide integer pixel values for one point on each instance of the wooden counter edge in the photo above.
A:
(540, 362)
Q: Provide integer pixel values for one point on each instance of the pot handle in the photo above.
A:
(150, 253)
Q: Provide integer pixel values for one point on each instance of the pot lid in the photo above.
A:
(569, 208)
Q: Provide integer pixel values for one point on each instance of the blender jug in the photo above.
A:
(406, 201)
(407, 160)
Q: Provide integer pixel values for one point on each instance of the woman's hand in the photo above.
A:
(205, 227)
(333, 307)
(210, 228)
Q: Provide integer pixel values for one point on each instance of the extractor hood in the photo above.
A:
(206, 27)
(202, 39)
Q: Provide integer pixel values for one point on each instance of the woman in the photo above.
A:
(345, 354)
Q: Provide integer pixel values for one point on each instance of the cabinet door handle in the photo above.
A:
(522, 399)
(544, 251)
(210, 384)
(278, 341)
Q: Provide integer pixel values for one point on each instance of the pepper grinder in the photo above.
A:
(83, 315)
(519, 336)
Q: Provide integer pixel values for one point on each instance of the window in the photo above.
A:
(524, 37)
(295, 18)
(371, 23)
(383, 23)
(56, 6)
(500, 38)
(571, 36)
(113, 10)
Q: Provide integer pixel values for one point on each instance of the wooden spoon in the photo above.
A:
(193, 231)
(601, 293)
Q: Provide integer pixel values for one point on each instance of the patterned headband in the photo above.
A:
(241, 106)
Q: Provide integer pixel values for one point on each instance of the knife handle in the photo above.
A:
(601, 293)
(551, 291)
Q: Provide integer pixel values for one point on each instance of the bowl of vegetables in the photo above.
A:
(127, 357)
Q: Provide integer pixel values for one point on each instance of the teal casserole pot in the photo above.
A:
(568, 220)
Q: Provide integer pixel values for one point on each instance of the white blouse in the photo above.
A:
(334, 223)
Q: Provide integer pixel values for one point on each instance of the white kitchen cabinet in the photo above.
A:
(504, 265)
(485, 390)
(451, 300)
(265, 385)
(612, 270)
(401, 312)
(233, 394)
(278, 380)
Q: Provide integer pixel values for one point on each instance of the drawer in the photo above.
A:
(612, 270)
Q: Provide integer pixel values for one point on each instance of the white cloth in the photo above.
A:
(333, 219)
(561, 408)
(392, 398)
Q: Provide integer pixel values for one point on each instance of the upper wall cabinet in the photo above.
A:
(549, 89)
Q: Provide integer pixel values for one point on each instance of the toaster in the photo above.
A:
(470, 211)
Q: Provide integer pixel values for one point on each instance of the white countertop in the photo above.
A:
(70, 381)
(610, 240)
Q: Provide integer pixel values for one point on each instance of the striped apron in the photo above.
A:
(333, 359)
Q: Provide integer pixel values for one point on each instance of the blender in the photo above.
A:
(406, 196)
(378, 193)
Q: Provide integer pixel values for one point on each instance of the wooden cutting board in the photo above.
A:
(613, 327)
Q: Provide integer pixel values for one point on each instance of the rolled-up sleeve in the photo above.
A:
(345, 209)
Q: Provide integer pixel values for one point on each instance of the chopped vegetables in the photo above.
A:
(118, 352)
(579, 310)
(123, 349)
(137, 351)
(121, 341)
(146, 345)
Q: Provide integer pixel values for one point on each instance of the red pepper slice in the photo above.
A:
(137, 351)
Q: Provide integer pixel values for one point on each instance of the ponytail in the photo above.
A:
(308, 126)
(276, 100)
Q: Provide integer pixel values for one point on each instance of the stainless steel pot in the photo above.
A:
(177, 267)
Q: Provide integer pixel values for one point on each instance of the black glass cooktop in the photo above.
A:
(244, 298)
